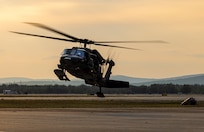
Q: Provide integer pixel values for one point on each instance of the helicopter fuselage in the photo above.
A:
(81, 63)
(86, 64)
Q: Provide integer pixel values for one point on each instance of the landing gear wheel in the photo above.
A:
(99, 94)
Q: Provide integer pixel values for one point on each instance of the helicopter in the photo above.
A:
(85, 63)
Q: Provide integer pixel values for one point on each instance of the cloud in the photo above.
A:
(98, 11)
(198, 55)
(2, 50)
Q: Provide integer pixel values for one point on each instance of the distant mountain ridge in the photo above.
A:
(132, 80)
(14, 79)
(28, 81)
(188, 79)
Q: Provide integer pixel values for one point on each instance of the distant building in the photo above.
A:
(7, 91)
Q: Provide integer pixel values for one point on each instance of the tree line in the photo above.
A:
(84, 89)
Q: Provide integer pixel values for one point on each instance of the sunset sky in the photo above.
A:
(179, 22)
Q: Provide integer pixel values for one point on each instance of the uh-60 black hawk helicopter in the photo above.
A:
(85, 63)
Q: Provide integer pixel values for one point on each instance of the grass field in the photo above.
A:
(80, 104)
(89, 104)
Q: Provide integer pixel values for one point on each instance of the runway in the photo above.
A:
(102, 120)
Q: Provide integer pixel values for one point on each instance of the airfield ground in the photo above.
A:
(89, 113)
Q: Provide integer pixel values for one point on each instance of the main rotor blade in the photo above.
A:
(53, 30)
(150, 41)
(43, 36)
(114, 46)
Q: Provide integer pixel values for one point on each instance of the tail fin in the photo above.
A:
(116, 84)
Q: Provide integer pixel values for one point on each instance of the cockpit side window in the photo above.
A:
(66, 51)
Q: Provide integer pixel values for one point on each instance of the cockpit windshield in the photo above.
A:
(77, 52)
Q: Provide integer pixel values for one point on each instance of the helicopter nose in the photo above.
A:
(66, 58)
(70, 60)
(75, 59)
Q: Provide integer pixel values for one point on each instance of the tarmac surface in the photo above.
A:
(102, 120)
(182, 119)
